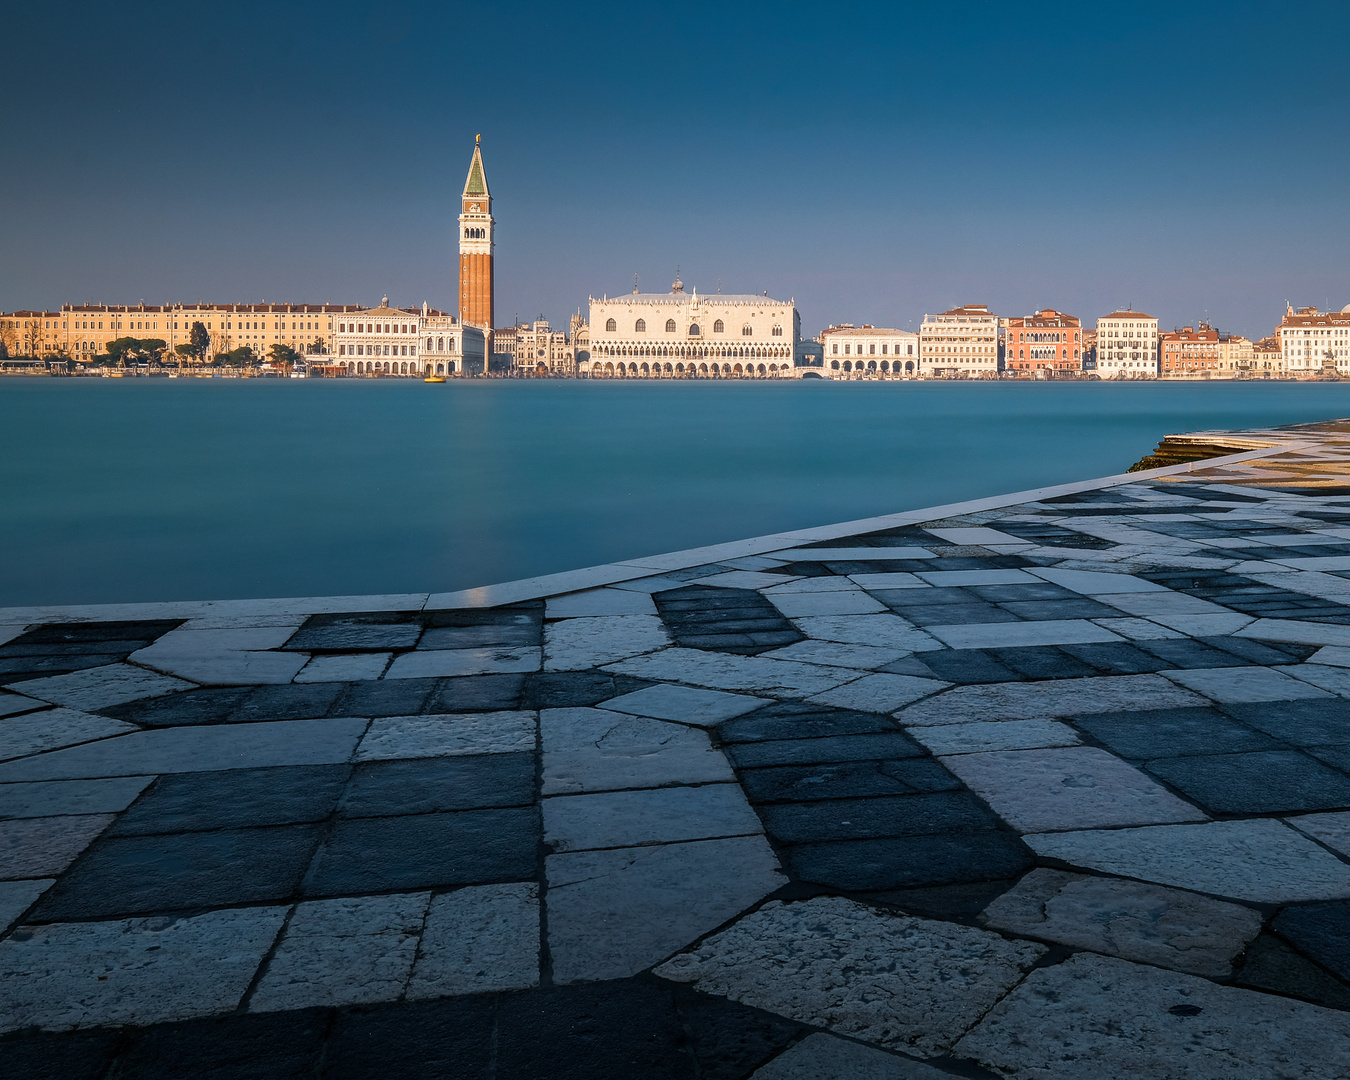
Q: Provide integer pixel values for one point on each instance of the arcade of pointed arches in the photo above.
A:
(402, 367)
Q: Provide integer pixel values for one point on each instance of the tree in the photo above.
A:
(200, 341)
(152, 349)
(184, 351)
(9, 338)
(282, 355)
(240, 357)
(119, 348)
(316, 346)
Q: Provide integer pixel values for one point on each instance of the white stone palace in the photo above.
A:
(684, 335)
(395, 341)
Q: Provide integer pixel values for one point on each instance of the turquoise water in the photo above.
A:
(154, 489)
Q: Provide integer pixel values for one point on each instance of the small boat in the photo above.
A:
(434, 378)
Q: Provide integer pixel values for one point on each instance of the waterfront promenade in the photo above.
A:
(1053, 784)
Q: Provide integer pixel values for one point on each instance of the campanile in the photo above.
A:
(475, 246)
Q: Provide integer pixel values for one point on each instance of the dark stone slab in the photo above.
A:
(66, 1055)
(507, 615)
(871, 818)
(968, 666)
(1081, 608)
(707, 617)
(1338, 757)
(1053, 535)
(415, 1040)
(807, 783)
(384, 697)
(522, 631)
(418, 851)
(1322, 931)
(1027, 593)
(906, 862)
(730, 1040)
(1263, 782)
(1154, 732)
(575, 689)
(1303, 723)
(142, 631)
(910, 665)
(1186, 653)
(427, 785)
(296, 701)
(1260, 652)
(945, 614)
(936, 596)
(796, 720)
(476, 693)
(618, 1030)
(1270, 964)
(188, 707)
(76, 649)
(1116, 658)
(818, 751)
(260, 1046)
(963, 901)
(1042, 662)
(234, 799)
(131, 875)
(340, 637)
(12, 669)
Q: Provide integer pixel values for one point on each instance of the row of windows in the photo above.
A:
(871, 349)
(376, 328)
(719, 327)
(475, 234)
(375, 350)
(692, 350)
(871, 365)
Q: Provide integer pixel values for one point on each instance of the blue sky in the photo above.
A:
(874, 161)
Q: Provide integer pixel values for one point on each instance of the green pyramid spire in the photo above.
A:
(477, 183)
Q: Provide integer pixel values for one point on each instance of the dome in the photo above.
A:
(1345, 310)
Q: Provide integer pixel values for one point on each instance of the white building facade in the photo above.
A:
(1314, 343)
(685, 335)
(393, 341)
(868, 352)
(537, 349)
(959, 344)
(1127, 346)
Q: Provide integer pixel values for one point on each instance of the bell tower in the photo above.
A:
(475, 246)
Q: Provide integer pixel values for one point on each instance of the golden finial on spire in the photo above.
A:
(478, 139)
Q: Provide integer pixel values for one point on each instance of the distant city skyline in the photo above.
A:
(874, 162)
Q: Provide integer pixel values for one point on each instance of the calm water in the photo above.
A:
(145, 489)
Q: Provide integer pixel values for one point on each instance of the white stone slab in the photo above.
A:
(825, 583)
(12, 704)
(343, 952)
(1014, 634)
(599, 602)
(1334, 679)
(684, 704)
(1094, 582)
(10, 632)
(1330, 562)
(879, 693)
(1096, 1016)
(1062, 697)
(1131, 919)
(186, 642)
(1139, 629)
(1071, 787)
(56, 797)
(964, 578)
(1259, 860)
(837, 602)
(44, 847)
(1331, 829)
(132, 971)
(612, 914)
(724, 671)
(827, 1057)
(94, 688)
(1234, 684)
(887, 581)
(981, 737)
(226, 668)
(480, 939)
(600, 750)
(439, 663)
(878, 976)
(978, 536)
(347, 667)
(884, 631)
(854, 554)
(197, 749)
(578, 644)
(34, 733)
(16, 897)
(1151, 604)
(1331, 656)
(243, 622)
(743, 579)
(836, 654)
(657, 816)
(1297, 631)
(1202, 625)
(448, 735)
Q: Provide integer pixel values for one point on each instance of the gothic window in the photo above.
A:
(718, 327)
(611, 326)
(747, 330)
(670, 326)
(694, 331)
(640, 327)
(777, 331)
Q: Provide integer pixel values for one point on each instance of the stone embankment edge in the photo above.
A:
(229, 612)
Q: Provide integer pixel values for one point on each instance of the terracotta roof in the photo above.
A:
(1125, 315)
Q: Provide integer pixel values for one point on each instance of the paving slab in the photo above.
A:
(1099, 1016)
(52, 729)
(343, 952)
(599, 602)
(983, 736)
(582, 643)
(1134, 920)
(1095, 582)
(1331, 829)
(479, 939)
(54, 797)
(978, 536)
(836, 602)
(882, 631)
(12, 704)
(828, 1057)
(197, 749)
(599, 750)
(145, 971)
(966, 578)
(442, 663)
(1064, 697)
(614, 913)
(910, 984)
(885, 581)
(1298, 631)
(94, 688)
(436, 734)
(684, 704)
(43, 847)
(854, 554)
(1259, 860)
(835, 654)
(721, 671)
(16, 897)
(1072, 787)
(1004, 635)
(352, 667)
(743, 579)
(1238, 684)
(879, 693)
(657, 816)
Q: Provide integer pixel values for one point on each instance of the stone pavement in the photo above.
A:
(1055, 785)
